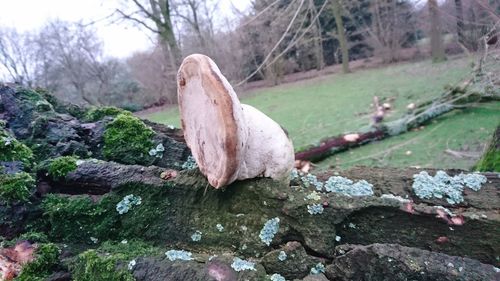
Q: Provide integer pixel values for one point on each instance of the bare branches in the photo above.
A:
(275, 46)
(137, 20)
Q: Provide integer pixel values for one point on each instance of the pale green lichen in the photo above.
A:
(190, 164)
(269, 230)
(196, 236)
(313, 196)
(127, 202)
(282, 256)
(277, 277)
(317, 269)
(241, 265)
(219, 227)
(311, 180)
(347, 187)
(157, 151)
(315, 209)
(443, 186)
(173, 255)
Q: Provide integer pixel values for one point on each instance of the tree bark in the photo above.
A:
(337, 12)
(460, 22)
(437, 48)
(318, 42)
(168, 40)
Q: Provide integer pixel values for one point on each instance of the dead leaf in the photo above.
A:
(168, 174)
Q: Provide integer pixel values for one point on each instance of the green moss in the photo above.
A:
(16, 187)
(61, 166)
(128, 140)
(108, 262)
(152, 213)
(97, 113)
(13, 150)
(88, 218)
(129, 250)
(31, 236)
(43, 106)
(62, 107)
(490, 161)
(90, 266)
(29, 95)
(46, 258)
(34, 237)
(101, 220)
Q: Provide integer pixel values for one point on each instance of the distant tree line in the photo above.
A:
(270, 40)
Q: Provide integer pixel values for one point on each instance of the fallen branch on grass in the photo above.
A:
(478, 88)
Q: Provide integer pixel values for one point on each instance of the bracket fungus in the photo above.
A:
(229, 140)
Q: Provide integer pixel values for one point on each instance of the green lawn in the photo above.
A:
(338, 103)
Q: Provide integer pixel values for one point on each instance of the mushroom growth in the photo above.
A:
(229, 140)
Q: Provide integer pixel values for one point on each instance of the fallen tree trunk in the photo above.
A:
(476, 89)
(173, 210)
(330, 146)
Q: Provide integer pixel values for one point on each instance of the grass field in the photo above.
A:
(330, 105)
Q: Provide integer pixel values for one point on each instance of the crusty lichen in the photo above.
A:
(128, 140)
(443, 186)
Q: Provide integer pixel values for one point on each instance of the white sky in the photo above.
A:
(120, 40)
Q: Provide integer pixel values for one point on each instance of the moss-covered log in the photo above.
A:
(243, 208)
(52, 130)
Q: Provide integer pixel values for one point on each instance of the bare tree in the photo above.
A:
(71, 52)
(154, 15)
(147, 68)
(16, 56)
(191, 13)
(391, 27)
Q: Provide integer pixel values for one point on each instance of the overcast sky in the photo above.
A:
(120, 40)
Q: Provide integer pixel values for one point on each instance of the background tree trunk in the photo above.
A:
(460, 22)
(161, 14)
(437, 48)
(337, 11)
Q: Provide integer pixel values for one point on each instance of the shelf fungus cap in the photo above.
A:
(229, 140)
